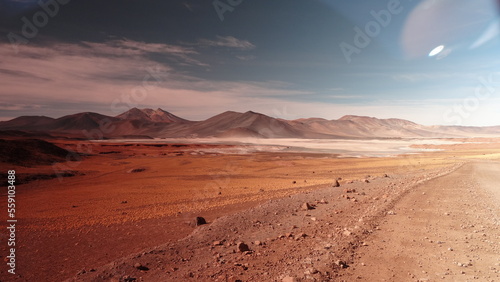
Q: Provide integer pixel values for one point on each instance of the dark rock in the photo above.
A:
(242, 247)
(336, 183)
(141, 267)
(83, 271)
(136, 170)
(199, 221)
(306, 206)
(341, 264)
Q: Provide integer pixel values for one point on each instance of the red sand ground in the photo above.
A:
(126, 199)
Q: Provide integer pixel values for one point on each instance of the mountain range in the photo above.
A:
(149, 123)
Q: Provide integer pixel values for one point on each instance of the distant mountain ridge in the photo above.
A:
(157, 115)
(162, 124)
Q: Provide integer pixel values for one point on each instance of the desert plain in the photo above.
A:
(126, 210)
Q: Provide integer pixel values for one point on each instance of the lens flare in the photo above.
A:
(436, 51)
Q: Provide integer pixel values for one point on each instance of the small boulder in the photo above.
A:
(336, 183)
(141, 267)
(306, 207)
(199, 221)
(242, 247)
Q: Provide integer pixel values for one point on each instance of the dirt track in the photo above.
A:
(446, 229)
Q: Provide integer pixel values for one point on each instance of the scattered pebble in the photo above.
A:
(299, 236)
(342, 264)
(310, 271)
(141, 267)
(306, 206)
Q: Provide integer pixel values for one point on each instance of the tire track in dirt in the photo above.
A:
(446, 229)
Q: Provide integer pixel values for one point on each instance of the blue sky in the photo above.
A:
(287, 59)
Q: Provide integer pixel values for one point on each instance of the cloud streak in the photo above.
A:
(228, 42)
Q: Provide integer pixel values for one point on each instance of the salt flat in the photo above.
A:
(341, 147)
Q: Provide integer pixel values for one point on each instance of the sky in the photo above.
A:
(434, 62)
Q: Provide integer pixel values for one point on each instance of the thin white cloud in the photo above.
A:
(130, 47)
(246, 58)
(435, 75)
(347, 97)
(228, 42)
(414, 77)
(18, 107)
(142, 47)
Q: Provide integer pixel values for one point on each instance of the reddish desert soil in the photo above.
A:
(445, 229)
(129, 208)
